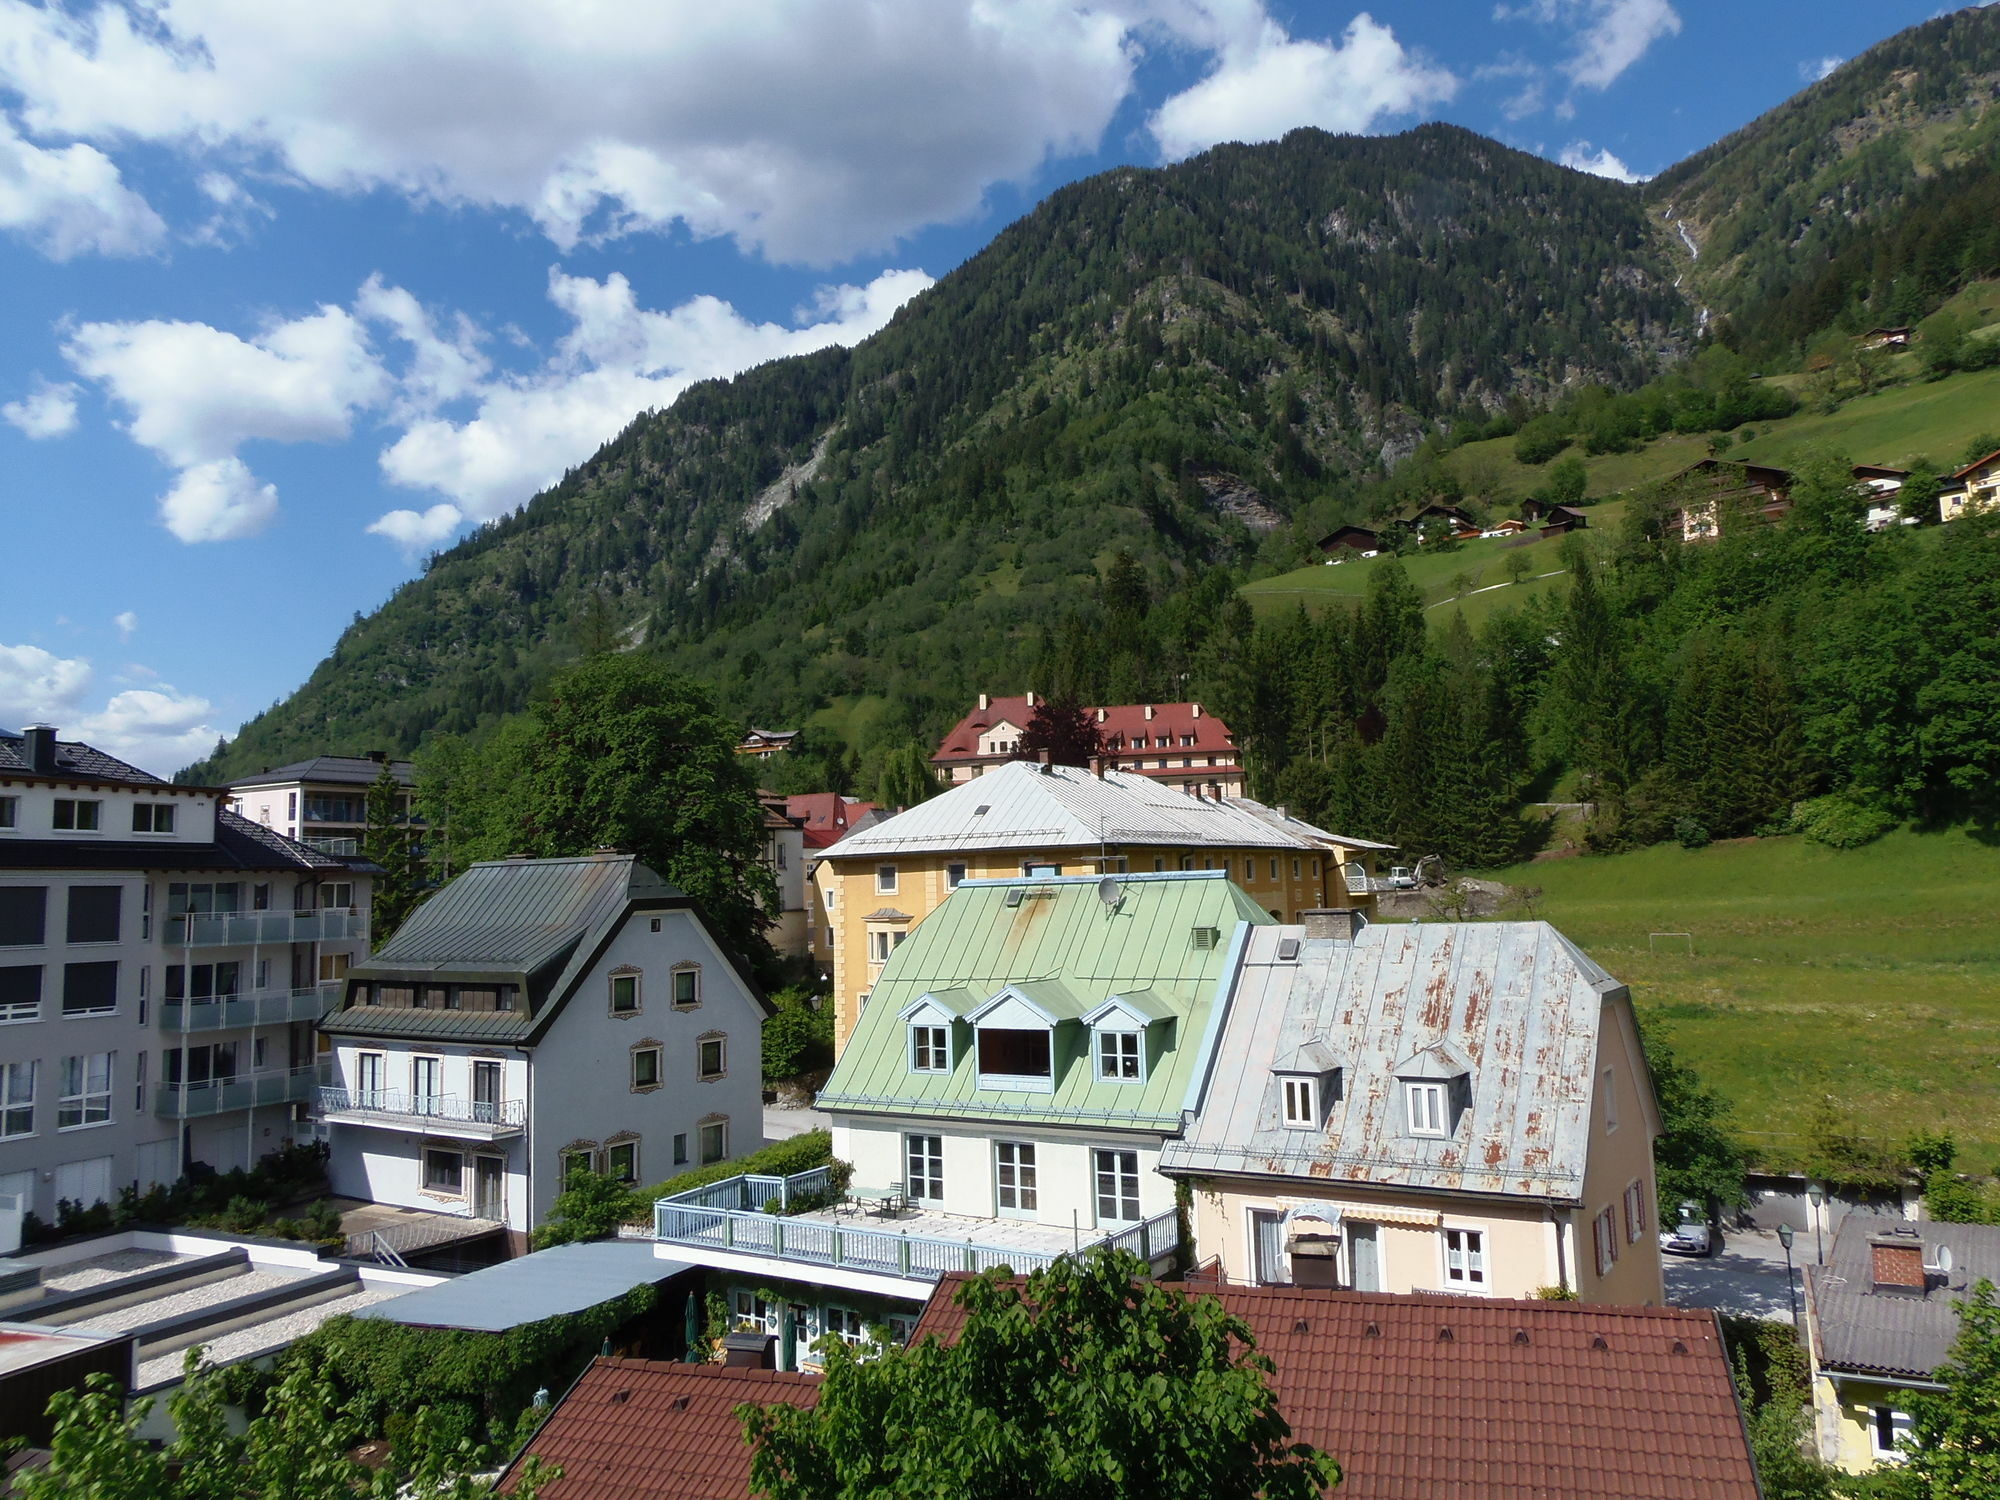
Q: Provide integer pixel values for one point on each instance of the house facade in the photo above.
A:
(824, 819)
(1715, 490)
(784, 855)
(879, 884)
(534, 1016)
(1880, 1317)
(163, 963)
(323, 802)
(1180, 744)
(1434, 1107)
(1975, 487)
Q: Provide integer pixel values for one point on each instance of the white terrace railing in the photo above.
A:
(719, 1216)
(398, 1102)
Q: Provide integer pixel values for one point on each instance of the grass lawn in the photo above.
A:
(1930, 419)
(1871, 976)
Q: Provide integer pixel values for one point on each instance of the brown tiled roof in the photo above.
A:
(1127, 727)
(1480, 1398)
(640, 1429)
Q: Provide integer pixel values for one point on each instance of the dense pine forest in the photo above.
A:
(1056, 466)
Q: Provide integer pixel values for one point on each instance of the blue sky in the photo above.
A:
(296, 294)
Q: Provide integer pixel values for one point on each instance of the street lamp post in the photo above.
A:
(1785, 1239)
(1816, 1196)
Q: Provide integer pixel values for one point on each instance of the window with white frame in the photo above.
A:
(645, 1068)
(1120, 1056)
(885, 880)
(1635, 1213)
(1464, 1259)
(1301, 1103)
(1014, 1176)
(923, 1167)
(444, 1171)
(844, 1323)
(625, 994)
(85, 1095)
(714, 1141)
(152, 817)
(20, 992)
(17, 1098)
(1428, 1108)
(930, 1050)
(1886, 1427)
(1604, 1238)
(712, 1057)
(1117, 1182)
(687, 987)
(73, 815)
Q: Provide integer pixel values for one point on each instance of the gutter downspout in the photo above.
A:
(528, 1136)
(1560, 1224)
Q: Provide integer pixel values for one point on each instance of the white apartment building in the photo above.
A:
(162, 965)
(322, 802)
(533, 1016)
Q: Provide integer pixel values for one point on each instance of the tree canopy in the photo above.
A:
(1088, 1381)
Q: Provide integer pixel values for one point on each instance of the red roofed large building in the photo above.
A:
(1180, 744)
(1486, 1398)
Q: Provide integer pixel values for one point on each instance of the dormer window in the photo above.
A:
(1023, 1058)
(1120, 1056)
(1428, 1108)
(930, 1049)
(1014, 1035)
(1301, 1103)
(1308, 1084)
(1437, 1089)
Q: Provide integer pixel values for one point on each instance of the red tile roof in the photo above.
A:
(639, 1429)
(826, 816)
(1122, 724)
(1478, 1398)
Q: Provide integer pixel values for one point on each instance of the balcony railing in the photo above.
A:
(194, 1101)
(262, 1008)
(707, 1217)
(330, 845)
(400, 1104)
(245, 928)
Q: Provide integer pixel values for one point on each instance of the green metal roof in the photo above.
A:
(1061, 946)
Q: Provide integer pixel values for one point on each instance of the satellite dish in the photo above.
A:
(1110, 892)
(1944, 1260)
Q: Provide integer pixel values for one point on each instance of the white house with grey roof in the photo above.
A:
(323, 802)
(162, 965)
(1425, 1107)
(533, 1016)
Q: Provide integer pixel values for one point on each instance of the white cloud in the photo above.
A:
(36, 685)
(617, 360)
(158, 729)
(1609, 35)
(810, 129)
(71, 200)
(1813, 69)
(218, 501)
(1600, 163)
(49, 410)
(127, 622)
(1267, 83)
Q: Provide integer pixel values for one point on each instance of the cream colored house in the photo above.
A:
(1974, 487)
(1434, 1107)
(1024, 819)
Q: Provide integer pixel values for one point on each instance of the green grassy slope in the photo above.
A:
(1934, 420)
(1871, 976)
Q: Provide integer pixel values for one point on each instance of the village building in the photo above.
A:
(163, 962)
(535, 1016)
(824, 819)
(1881, 485)
(323, 802)
(1425, 1107)
(1976, 487)
(879, 884)
(764, 743)
(1003, 1101)
(1880, 1317)
(1179, 744)
(1886, 338)
(1558, 520)
(1458, 522)
(784, 856)
(1357, 539)
(1715, 490)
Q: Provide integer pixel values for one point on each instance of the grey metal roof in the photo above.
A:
(1515, 1002)
(471, 1027)
(1023, 805)
(351, 770)
(1856, 1328)
(73, 759)
(545, 1284)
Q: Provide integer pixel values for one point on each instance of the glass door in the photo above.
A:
(486, 1092)
(424, 1090)
(1364, 1258)
(489, 1187)
(1267, 1247)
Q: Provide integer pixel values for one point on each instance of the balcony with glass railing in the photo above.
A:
(428, 1114)
(730, 1221)
(253, 1008)
(220, 1096)
(333, 845)
(243, 929)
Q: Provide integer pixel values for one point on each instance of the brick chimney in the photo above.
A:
(1343, 924)
(985, 702)
(38, 744)
(1099, 764)
(1897, 1261)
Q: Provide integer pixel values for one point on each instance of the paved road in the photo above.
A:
(780, 1124)
(1746, 1276)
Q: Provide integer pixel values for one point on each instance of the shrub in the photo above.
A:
(1540, 440)
(1691, 833)
(798, 1039)
(1840, 822)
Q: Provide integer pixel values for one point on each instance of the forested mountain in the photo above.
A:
(1196, 365)
(1165, 360)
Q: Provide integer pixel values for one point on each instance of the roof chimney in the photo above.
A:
(380, 757)
(1197, 709)
(1100, 716)
(985, 702)
(38, 743)
(1031, 698)
(1098, 763)
(1149, 710)
(1341, 923)
(1897, 1261)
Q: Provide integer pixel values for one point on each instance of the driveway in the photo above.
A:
(782, 1124)
(1746, 1276)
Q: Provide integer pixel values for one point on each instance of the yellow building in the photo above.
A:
(1974, 487)
(878, 883)
(1881, 1316)
(1435, 1107)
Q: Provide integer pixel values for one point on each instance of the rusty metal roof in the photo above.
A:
(1514, 1005)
